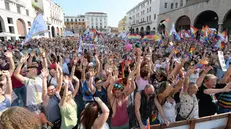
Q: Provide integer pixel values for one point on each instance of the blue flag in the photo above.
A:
(38, 26)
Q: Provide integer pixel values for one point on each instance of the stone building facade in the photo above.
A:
(198, 13)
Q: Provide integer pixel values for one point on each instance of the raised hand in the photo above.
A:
(97, 53)
(132, 75)
(189, 72)
(112, 81)
(140, 59)
(8, 54)
(43, 54)
(75, 60)
(24, 59)
(208, 69)
(166, 122)
(6, 73)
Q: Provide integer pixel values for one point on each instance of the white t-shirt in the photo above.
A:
(34, 91)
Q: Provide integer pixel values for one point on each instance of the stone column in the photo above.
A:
(220, 27)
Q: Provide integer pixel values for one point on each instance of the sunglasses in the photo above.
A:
(99, 82)
(118, 87)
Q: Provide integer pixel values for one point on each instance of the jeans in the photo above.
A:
(21, 93)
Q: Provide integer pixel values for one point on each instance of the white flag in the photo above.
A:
(38, 26)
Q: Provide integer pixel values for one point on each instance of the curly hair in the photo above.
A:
(19, 118)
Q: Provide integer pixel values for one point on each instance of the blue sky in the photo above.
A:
(116, 9)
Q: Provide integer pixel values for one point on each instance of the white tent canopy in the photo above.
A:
(7, 34)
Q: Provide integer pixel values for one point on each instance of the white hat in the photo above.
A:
(90, 64)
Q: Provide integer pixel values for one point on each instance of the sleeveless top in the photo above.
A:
(146, 107)
(121, 115)
(169, 112)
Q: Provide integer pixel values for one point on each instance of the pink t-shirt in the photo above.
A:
(141, 83)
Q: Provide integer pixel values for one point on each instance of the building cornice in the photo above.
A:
(136, 6)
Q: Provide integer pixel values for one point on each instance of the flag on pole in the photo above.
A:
(174, 33)
(96, 39)
(38, 26)
(193, 31)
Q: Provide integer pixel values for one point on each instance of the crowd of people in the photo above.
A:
(48, 83)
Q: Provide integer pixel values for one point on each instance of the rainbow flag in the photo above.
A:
(176, 51)
(192, 50)
(156, 38)
(148, 126)
(193, 31)
(202, 64)
(153, 119)
(203, 30)
(148, 37)
(186, 34)
(209, 31)
(134, 36)
(224, 33)
(222, 45)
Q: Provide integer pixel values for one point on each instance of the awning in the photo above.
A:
(7, 34)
